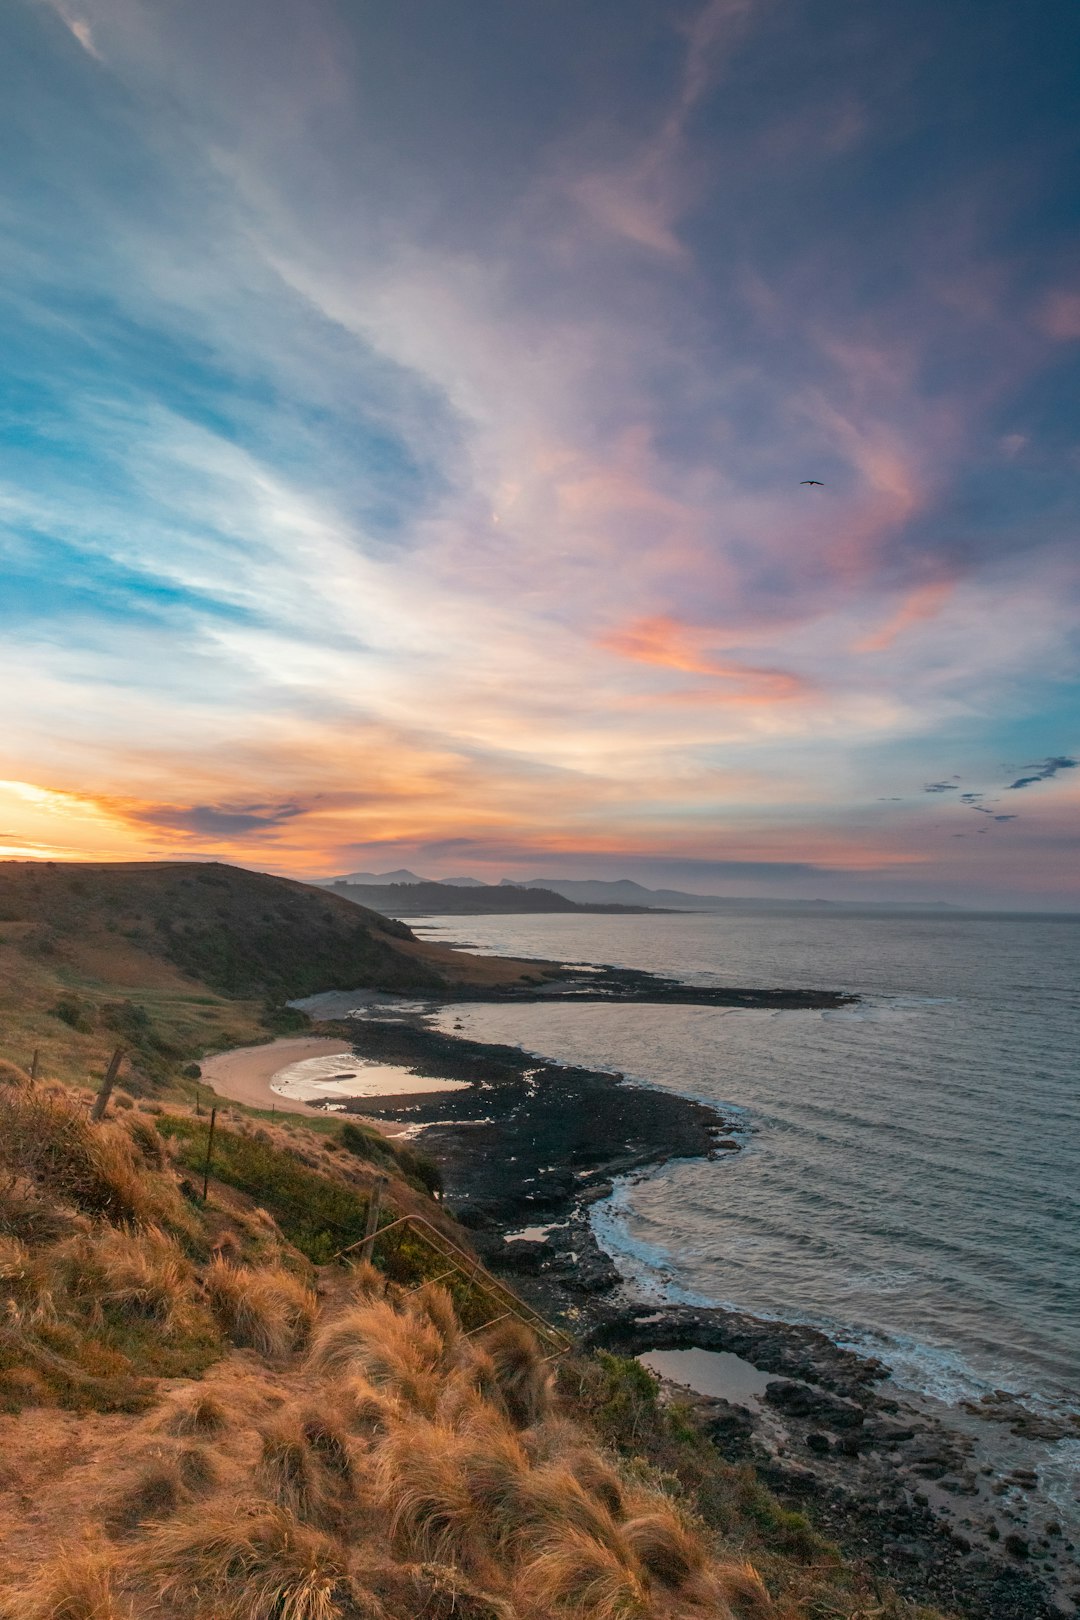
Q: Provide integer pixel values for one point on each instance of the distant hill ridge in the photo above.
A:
(592, 893)
(420, 898)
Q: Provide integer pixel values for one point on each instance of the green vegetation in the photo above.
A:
(320, 1216)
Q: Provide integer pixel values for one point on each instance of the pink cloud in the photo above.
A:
(925, 602)
(665, 642)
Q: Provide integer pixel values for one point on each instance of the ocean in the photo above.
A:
(910, 1180)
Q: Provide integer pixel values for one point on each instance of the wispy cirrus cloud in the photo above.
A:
(453, 443)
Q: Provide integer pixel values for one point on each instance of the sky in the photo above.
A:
(405, 414)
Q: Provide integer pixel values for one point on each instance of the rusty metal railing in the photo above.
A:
(458, 1263)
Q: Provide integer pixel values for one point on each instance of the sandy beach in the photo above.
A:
(244, 1074)
(305, 1074)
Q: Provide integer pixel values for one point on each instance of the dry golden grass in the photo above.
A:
(139, 1274)
(76, 1584)
(744, 1591)
(48, 1140)
(242, 1560)
(400, 1470)
(202, 1414)
(575, 1575)
(521, 1376)
(266, 1309)
(360, 1502)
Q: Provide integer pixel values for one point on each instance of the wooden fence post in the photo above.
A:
(34, 1064)
(209, 1151)
(374, 1209)
(101, 1101)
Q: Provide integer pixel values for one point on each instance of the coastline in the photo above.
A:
(528, 1150)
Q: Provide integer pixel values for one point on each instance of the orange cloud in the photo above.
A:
(664, 641)
(925, 602)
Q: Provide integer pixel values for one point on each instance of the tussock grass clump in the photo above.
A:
(266, 1309)
(522, 1379)
(744, 1592)
(575, 1575)
(155, 1493)
(52, 1144)
(76, 1584)
(25, 1214)
(665, 1547)
(402, 1352)
(306, 1468)
(203, 1414)
(424, 1496)
(149, 1144)
(244, 1561)
(134, 1274)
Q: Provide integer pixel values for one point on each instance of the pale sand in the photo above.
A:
(244, 1075)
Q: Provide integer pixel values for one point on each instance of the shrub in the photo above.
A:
(366, 1144)
(76, 1013)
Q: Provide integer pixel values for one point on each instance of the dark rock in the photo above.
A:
(522, 1256)
(818, 1442)
(1017, 1546)
(888, 1434)
(799, 1400)
(729, 1427)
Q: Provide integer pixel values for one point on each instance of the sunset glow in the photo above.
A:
(406, 428)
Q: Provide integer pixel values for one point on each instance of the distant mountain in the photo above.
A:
(463, 883)
(624, 891)
(471, 899)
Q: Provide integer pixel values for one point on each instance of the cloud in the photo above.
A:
(925, 602)
(446, 443)
(1046, 771)
(219, 821)
(940, 787)
(663, 641)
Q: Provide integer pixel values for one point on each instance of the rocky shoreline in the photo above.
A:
(532, 1145)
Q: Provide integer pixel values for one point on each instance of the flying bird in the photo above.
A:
(820, 482)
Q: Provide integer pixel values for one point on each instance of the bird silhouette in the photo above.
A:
(818, 481)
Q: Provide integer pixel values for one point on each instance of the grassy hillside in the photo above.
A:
(201, 1418)
(174, 959)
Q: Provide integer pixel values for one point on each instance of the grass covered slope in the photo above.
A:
(175, 959)
(198, 1421)
(241, 933)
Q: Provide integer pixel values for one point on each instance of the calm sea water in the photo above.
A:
(911, 1181)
